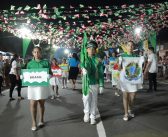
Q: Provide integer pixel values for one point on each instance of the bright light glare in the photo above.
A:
(66, 51)
(25, 33)
(55, 47)
(138, 30)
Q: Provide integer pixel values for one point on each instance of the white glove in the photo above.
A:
(21, 76)
(84, 71)
(101, 90)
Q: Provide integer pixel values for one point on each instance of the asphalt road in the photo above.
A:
(64, 115)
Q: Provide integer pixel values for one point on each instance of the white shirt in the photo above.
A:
(153, 59)
(14, 67)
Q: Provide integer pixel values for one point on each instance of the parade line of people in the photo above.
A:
(126, 72)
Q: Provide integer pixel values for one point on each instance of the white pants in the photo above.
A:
(90, 101)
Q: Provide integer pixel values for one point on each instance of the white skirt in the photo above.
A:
(38, 92)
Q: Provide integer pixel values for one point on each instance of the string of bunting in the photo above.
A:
(103, 23)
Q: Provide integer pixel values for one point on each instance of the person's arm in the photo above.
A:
(147, 66)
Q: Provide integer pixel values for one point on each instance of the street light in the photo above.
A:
(138, 30)
(66, 51)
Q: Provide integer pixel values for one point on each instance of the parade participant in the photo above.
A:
(92, 70)
(1, 73)
(113, 61)
(54, 80)
(65, 68)
(14, 76)
(37, 94)
(129, 90)
(151, 68)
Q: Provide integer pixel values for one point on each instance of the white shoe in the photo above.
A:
(116, 94)
(53, 97)
(57, 96)
(131, 114)
(125, 118)
(93, 121)
(34, 128)
(86, 118)
(63, 87)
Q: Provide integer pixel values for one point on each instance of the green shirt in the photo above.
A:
(95, 71)
(38, 64)
(128, 55)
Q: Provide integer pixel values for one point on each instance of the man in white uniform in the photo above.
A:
(151, 69)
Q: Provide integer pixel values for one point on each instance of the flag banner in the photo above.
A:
(132, 70)
(112, 64)
(83, 59)
(115, 77)
(57, 72)
(35, 77)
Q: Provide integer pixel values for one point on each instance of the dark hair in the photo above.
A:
(74, 55)
(92, 42)
(36, 47)
(54, 59)
(151, 49)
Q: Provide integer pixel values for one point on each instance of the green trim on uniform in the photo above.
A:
(38, 64)
(128, 55)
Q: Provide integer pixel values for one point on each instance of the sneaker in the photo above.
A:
(86, 118)
(92, 121)
(125, 118)
(131, 114)
(63, 87)
(53, 97)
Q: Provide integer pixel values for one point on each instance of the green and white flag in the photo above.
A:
(35, 77)
(83, 59)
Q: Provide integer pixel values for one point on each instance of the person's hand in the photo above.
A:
(101, 90)
(84, 71)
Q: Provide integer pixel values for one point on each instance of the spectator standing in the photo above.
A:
(74, 69)
(6, 72)
(14, 76)
(151, 69)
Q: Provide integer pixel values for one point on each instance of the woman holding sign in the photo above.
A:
(37, 94)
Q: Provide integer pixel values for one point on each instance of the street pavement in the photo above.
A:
(64, 115)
